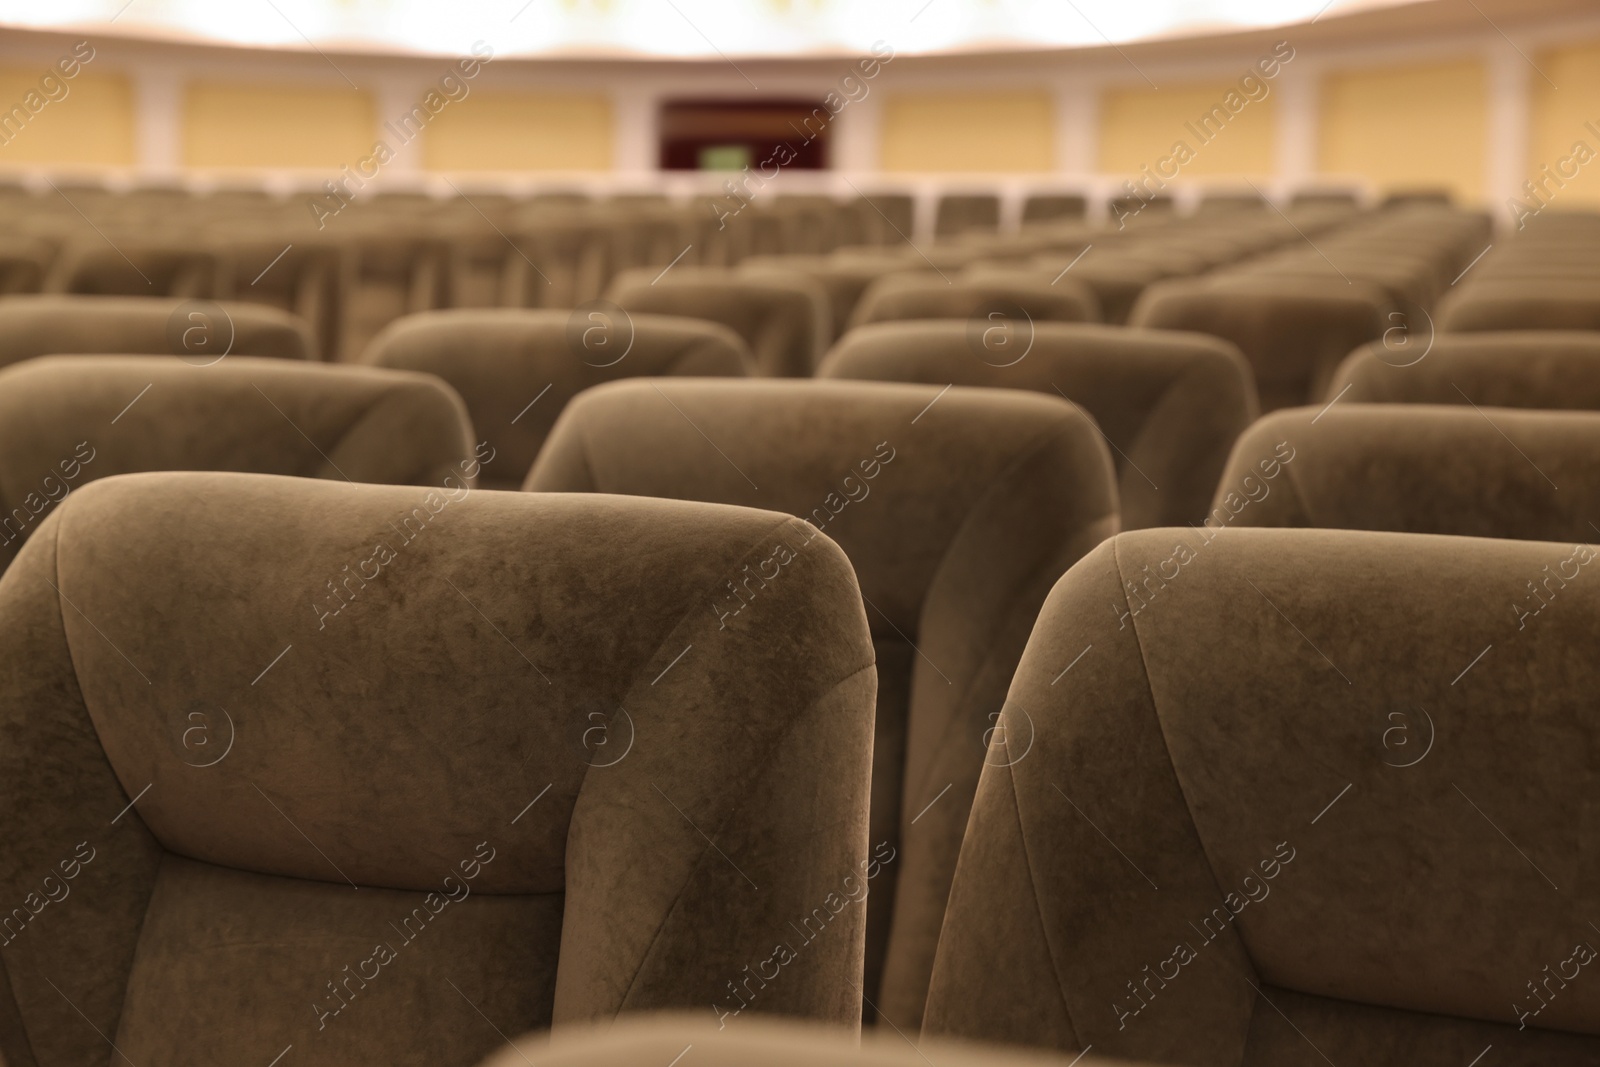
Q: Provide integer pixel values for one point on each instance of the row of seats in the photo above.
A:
(644, 894)
(1171, 404)
(359, 264)
(873, 647)
(1546, 275)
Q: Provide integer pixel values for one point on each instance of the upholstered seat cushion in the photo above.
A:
(1294, 333)
(958, 508)
(920, 294)
(1520, 369)
(518, 369)
(1308, 796)
(197, 331)
(772, 1042)
(1485, 472)
(783, 318)
(1169, 404)
(358, 768)
(1523, 304)
(66, 421)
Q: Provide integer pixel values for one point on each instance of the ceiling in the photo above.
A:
(677, 29)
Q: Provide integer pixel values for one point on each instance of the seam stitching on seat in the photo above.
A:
(677, 624)
(772, 750)
(1196, 368)
(1155, 711)
(1000, 481)
(1299, 492)
(1038, 907)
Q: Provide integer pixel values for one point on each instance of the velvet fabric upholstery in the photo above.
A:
(1554, 303)
(1294, 333)
(1418, 469)
(101, 325)
(302, 280)
(918, 294)
(386, 272)
(960, 212)
(66, 421)
(131, 266)
(1115, 279)
(1054, 207)
(1309, 796)
(958, 512)
(843, 278)
(1171, 404)
(518, 369)
(656, 1041)
(1522, 369)
(230, 700)
(783, 318)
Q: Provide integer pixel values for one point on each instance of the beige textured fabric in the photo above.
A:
(1294, 333)
(1312, 796)
(340, 767)
(783, 318)
(134, 267)
(1170, 404)
(658, 1040)
(1553, 303)
(518, 369)
(1489, 472)
(958, 512)
(1525, 369)
(198, 332)
(986, 298)
(66, 421)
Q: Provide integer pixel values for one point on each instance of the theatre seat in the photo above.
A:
(134, 267)
(771, 1042)
(960, 212)
(917, 294)
(23, 263)
(1310, 796)
(1489, 472)
(1521, 369)
(502, 362)
(357, 769)
(1054, 208)
(301, 279)
(1554, 303)
(1293, 332)
(1170, 404)
(194, 330)
(783, 319)
(957, 508)
(1116, 279)
(66, 421)
(844, 278)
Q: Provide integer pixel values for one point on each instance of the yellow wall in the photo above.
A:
(1140, 126)
(1408, 126)
(1558, 118)
(983, 131)
(521, 131)
(91, 126)
(229, 125)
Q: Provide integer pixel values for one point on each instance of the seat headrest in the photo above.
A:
(196, 330)
(517, 369)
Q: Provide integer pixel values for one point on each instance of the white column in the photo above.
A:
(1077, 129)
(635, 133)
(158, 103)
(856, 133)
(1508, 143)
(1297, 151)
(394, 96)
